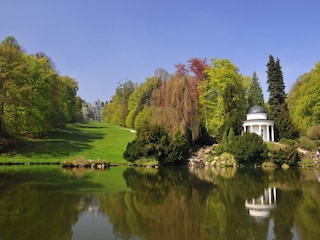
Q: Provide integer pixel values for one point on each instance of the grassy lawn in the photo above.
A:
(95, 141)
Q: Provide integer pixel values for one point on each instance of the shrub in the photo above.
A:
(226, 142)
(133, 151)
(288, 155)
(314, 132)
(307, 143)
(153, 142)
(248, 148)
(178, 149)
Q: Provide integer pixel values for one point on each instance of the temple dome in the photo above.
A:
(257, 109)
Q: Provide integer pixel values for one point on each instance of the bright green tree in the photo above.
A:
(144, 117)
(304, 98)
(116, 111)
(33, 97)
(212, 91)
(12, 71)
(140, 98)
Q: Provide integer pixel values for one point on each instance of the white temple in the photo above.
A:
(258, 123)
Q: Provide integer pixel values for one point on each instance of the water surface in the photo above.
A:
(46, 202)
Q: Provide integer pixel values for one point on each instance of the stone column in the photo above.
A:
(260, 131)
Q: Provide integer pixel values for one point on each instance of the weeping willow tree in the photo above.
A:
(175, 106)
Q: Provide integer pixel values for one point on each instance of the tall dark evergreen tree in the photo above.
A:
(255, 94)
(278, 108)
(276, 88)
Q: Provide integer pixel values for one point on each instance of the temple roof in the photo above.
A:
(257, 109)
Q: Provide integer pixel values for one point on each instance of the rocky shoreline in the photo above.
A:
(207, 157)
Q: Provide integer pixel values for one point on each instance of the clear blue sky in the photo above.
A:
(103, 42)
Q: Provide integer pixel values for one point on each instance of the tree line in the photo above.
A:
(199, 96)
(200, 100)
(34, 98)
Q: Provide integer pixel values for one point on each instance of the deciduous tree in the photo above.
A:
(304, 98)
(140, 98)
(177, 112)
(221, 74)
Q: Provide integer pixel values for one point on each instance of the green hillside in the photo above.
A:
(94, 140)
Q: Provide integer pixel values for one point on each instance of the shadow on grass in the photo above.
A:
(70, 140)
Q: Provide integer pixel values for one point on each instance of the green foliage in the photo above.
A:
(33, 97)
(304, 98)
(140, 98)
(133, 151)
(248, 148)
(286, 141)
(284, 126)
(255, 93)
(154, 142)
(144, 117)
(314, 132)
(116, 111)
(204, 139)
(223, 146)
(219, 96)
(234, 108)
(226, 142)
(278, 108)
(307, 143)
(178, 149)
(276, 88)
(288, 155)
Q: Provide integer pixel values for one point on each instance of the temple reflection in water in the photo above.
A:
(261, 207)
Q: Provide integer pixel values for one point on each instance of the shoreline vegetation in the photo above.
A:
(100, 145)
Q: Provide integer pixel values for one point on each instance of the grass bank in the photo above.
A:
(94, 140)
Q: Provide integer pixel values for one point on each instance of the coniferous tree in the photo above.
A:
(278, 108)
(248, 148)
(255, 94)
(276, 88)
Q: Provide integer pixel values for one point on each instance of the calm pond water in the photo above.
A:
(46, 202)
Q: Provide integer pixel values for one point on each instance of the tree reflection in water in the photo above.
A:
(165, 203)
(173, 203)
